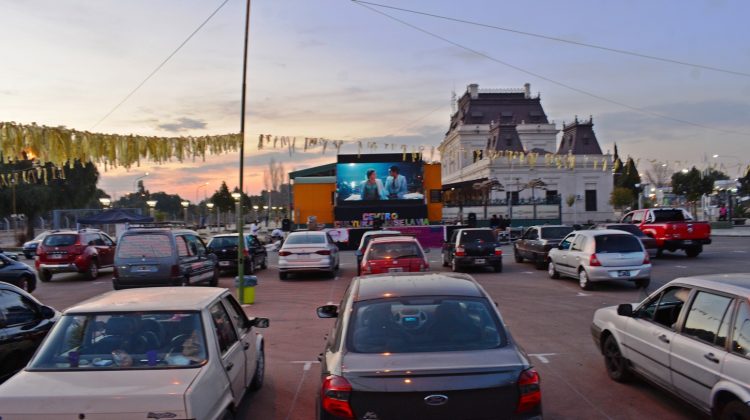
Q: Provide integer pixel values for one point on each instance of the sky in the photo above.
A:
(335, 69)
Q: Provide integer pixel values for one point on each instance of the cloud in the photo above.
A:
(183, 124)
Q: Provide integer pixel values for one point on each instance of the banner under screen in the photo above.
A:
(372, 183)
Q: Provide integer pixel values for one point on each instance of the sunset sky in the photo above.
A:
(335, 69)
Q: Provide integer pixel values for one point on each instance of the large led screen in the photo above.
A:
(379, 182)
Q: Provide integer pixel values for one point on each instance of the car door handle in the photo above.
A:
(711, 357)
(229, 367)
(245, 346)
(664, 338)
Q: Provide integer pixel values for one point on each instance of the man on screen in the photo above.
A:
(372, 188)
(395, 184)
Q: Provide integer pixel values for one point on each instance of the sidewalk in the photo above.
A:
(735, 231)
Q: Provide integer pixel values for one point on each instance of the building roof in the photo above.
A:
(150, 299)
(318, 171)
(506, 106)
(504, 137)
(578, 138)
(415, 284)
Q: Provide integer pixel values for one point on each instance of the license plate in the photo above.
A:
(223, 263)
(687, 242)
(303, 255)
(56, 256)
(479, 261)
(623, 273)
(144, 269)
(395, 270)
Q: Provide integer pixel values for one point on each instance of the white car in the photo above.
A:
(598, 255)
(691, 337)
(177, 352)
(308, 251)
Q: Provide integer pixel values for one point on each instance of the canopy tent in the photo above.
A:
(114, 216)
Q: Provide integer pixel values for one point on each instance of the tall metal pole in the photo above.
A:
(240, 224)
(15, 213)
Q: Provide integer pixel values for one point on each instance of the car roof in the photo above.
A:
(474, 229)
(139, 231)
(229, 235)
(381, 232)
(734, 283)
(600, 232)
(551, 226)
(308, 232)
(394, 238)
(150, 299)
(416, 284)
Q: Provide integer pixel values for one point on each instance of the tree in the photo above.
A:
(658, 175)
(222, 198)
(273, 177)
(629, 176)
(692, 184)
(744, 188)
(621, 197)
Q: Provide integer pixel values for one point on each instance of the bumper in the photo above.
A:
(321, 264)
(637, 272)
(684, 243)
(489, 260)
(596, 334)
(129, 283)
(61, 268)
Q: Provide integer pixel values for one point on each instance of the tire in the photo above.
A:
(93, 272)
(552, 271)
(26, 283)
(260, 369)
(734, 409)
(445, 261)
(498, 268)
(45, 276)
(583, 280)
(540, 263)
(616, 365)
(228, 414)
(283, 275)
(29, 256)
(693, 252)
(642, 283)
(264, 264)
(185, 281)
(454, 266)
(659, 252)
(250, 268)
(215, 279)
(517, 256)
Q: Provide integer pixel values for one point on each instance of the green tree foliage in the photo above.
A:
(222, 198)
(744, 188)
(621, 197)
(692, 184)
(629, 176)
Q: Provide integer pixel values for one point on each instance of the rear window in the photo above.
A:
(394, 251)
(627, 228)
(223, 242)
(60, 240)
(670, 215)
(556, 232)
(295, 239)
(424, 324)
(617, 243)
(477, 235)
(144, 246)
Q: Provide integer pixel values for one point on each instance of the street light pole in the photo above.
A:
(135, 182)
(152, 208)
(15, 212)
(210, 209)
(204, 185)
(185, 204)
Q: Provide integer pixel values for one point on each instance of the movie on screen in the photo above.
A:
(379, 179)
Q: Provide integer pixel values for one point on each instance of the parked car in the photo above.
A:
(648, 242)
(673, 229)
(423, 346)
(148, 353)
(17, 274)
(225, 248)
(24, 322)
(85, 251)
(536, 242)
(12, 255)
(598, 255)
(366, 238)
(474, 247)
(690, 337)
(29, 247)
(308, 251)
(163, 256)
(393, 254)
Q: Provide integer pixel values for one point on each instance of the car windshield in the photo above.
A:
(394, 251)
(366, 239)
(557, 232)
(60, 240)
(304, 238)
(144, 246)
(627, 228)
(671, 215)
(424, 324)
(617, 243)
(41, 236)
(477, 235)
(119, 341)
(226, 242)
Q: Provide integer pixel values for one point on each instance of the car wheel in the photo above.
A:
(228, 414)
(282, 275)
(185, 281)
(250, 268)
(445, 261)
(264, 264)
(260, 369)
(498, 268)
(517, 256)
(29, 256)
(26, 283)
(45, 276)
(215, 279)
(734, 409)
(552, 271)
(539, 263)
(93, 271)
(617, 366)
(583, 280)
(659, 252)
(642, 283)
(454, 266)
(693, 251)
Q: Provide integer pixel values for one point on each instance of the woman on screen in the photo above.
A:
(372, 187)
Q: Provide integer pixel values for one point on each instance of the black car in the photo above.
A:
(648, 242)
(423, 346)
(536, 241)
(225, 248)
(24, 322)
(473, 247)
(17, 273)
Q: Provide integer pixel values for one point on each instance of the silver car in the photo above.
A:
(691, 337)
(308, 251)
(598, 255)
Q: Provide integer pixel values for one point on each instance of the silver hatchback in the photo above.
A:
(599, 255)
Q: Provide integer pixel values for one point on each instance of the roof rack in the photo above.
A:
(157, 225)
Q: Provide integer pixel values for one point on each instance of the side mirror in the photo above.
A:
(625, 309)
(328, 311)
(259, 322)
(47, 312)
(427, 250)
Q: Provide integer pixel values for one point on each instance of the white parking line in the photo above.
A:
(542, 356)
(582, 294)
(307, 364)
(680, 266)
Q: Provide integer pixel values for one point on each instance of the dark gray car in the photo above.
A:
(423, 346)
(163, 257)
(17, 273)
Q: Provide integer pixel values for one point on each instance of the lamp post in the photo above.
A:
(210, 209)
(135, 182)
(204, 185)
(265, 210)
(15, 212)
(237, 203)
(152, 208)
(185, 204)
(255, 209)
(106, 202)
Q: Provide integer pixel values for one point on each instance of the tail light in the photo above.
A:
(366, 268)
(284, 253)
(77, 248)
(530, 394)
(460, 252)
(334, 396)
(323, 252)
(594, 261)
(498, 251)
(175, 271)
(646, 259)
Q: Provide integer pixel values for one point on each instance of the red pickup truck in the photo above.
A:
(673, 229)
